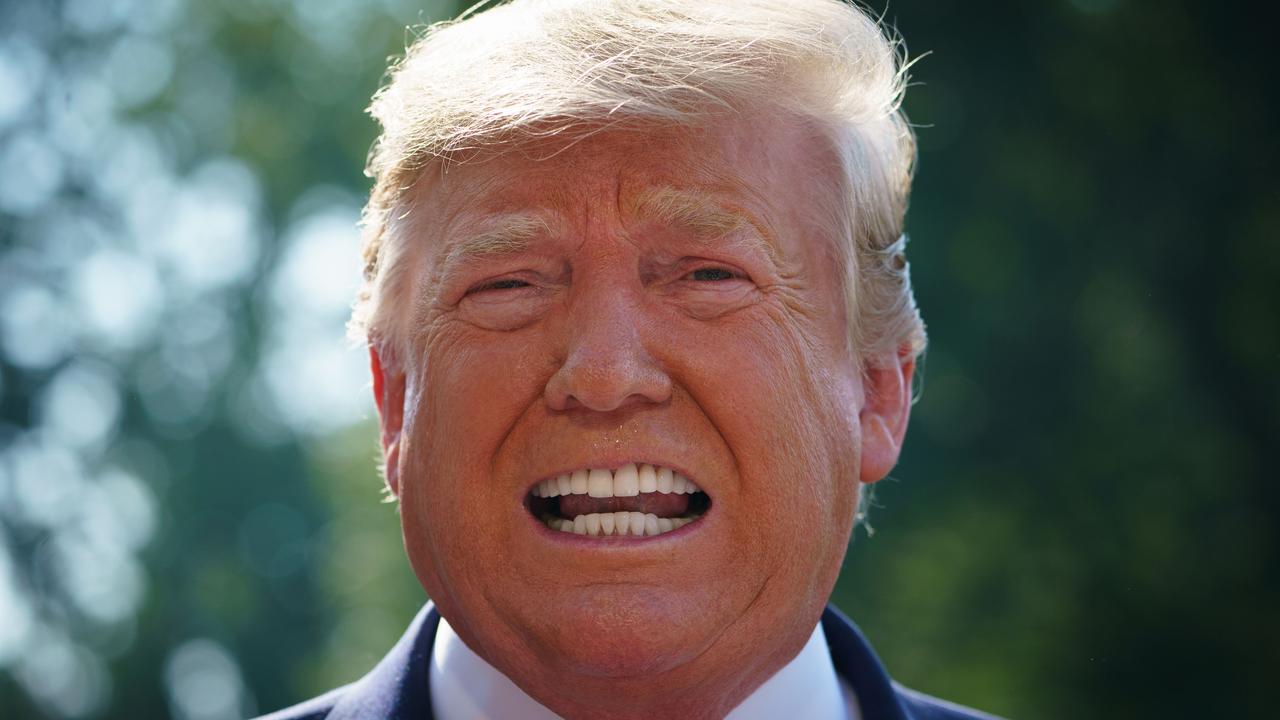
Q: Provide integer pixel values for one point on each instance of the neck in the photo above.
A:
(664, 696)
(710, 685)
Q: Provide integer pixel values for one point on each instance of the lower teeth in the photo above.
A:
(620, 523)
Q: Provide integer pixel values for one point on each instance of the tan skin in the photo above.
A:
(616, 338)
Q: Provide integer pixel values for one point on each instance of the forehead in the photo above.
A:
(772, 175)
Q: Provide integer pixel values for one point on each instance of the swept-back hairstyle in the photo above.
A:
(539, 68)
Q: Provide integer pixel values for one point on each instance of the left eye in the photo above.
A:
(711, 274)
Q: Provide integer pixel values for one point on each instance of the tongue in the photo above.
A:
(660, 504)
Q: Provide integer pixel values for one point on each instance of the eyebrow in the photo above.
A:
(498, 235)
(694, 212)
(699, 215)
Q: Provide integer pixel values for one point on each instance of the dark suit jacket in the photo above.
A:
(398, 688)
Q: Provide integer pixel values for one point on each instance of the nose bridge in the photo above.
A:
(606, 362)
(604, 314)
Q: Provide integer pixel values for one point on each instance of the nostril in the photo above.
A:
(605, 386)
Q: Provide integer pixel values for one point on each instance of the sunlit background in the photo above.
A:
(1084, 522)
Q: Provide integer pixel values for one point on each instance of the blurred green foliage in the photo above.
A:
(1082, 524)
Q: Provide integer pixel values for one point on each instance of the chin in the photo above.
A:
(623, 631)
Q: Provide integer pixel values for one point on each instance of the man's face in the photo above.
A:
(669, 299)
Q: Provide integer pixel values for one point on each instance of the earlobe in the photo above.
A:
(884, 415)
(388, 394)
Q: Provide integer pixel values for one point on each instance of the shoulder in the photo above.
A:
(924, 707)
(316, 708)
(878, 695)
(397, 687)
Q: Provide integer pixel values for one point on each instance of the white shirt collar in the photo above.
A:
(466, 687)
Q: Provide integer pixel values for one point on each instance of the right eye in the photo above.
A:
(503, 284)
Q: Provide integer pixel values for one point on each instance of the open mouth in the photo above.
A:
(632, 501)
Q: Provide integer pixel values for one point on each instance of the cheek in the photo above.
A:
(777, 391)
(478, 383)
(463, 401)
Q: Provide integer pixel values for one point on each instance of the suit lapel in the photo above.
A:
(857, 663)
(399, 687)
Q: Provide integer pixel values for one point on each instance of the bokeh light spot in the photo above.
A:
(204, 683)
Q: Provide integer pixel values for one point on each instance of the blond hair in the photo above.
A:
(539, 68)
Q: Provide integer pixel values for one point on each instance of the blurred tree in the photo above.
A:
(1083, 524)
(189, 519)
(178, 192)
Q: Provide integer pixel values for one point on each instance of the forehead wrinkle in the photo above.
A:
(699, 215)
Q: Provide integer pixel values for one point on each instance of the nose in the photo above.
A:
(607, 366)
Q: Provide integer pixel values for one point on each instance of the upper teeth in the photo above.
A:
(627, 481)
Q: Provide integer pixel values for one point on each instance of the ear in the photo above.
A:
(388, 393)
(887, 406)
